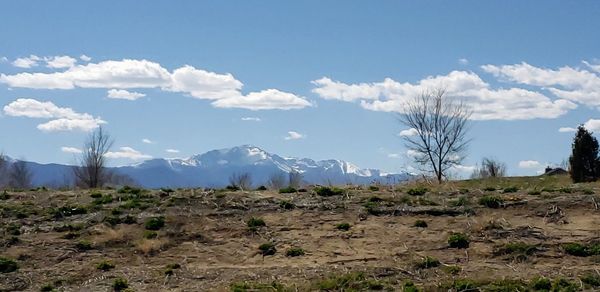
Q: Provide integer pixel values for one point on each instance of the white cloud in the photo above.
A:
(147, 141)
(394, 155)
(124, 94)
(173, 151)
(85, 58)
(71, 150)
(575, 84)
(292, 135)
(3, 59)
(463, 169)
(529, 164)
(59, 62)
(566, 129)
(223, 89)
(463, 61)
(252, 119)
(26, 62)
(486, 102)
(264, 100)
(412, 153)
(127, 153)
(63, 119)
(408, 132)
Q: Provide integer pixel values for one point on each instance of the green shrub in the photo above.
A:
(169, 270)
(427, 262)
(47, 288)
(4, 195)
(420, 223)
(375, 199)
(104, 199)
(105, 265)
(150, 234)
(373, 188)
(83, 245)
(287, 205)
(534, 193)
(489, 189)
(130, 190)
(591, 279)
(96, 195)
(517, 248)
(288, 190)
(566, 190)
(541, 284)
(349, 282)
(491, 201)
(418, 191)
(251, 287)
(67, 211)
(261, 188)
(71, 235)
(510, 190)
(410, 287)
(294, 252)
(112, 220)
(267, 249)
(458, 240)
(155, 223)
(120, 284)
(581, 250)
(328, 192)
(461, 201)
(7, 265)
(343, 226)
(13, 229)
(254, 223)
(588, 192)
(452, 270)
(562, 284)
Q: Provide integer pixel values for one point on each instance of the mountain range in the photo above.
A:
(214, 168)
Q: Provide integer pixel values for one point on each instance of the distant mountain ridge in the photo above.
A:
(213, 169)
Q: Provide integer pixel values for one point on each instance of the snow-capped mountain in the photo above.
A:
(213, 169)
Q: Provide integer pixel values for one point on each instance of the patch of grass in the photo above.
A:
(288, 190)
(260, 287)
(489, 189)
(287, 205)
(510, 190)
(155, 223)
(328, 192)
(540, 284)
(420, 223)
(458, 240)
(267, 249)
(120, 284)
(588, 192)
(294, 252)
(375, 199)
(461, 201)
(562, 284)
(170, 269)
(130, 190)
(451, 269)
(148, 234)
(373, 188)
(96, 195)
(565, 190)
(582, 250)
(68, 227)
(349, 282)
(104, 199)
(591, 279)
(105, 265)
(343, 226)
(517, 248)
(461, 285)
(491, 201)
(534, 193)
(67, 211)
(4, 195)
(410, 287)
(255, 223)
(261, 188)
(418, 191)
(427, 262)
(47, 288)
(13, 229)
(8, 265)
(83, 245)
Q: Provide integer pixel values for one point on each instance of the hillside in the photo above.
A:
(521, 233)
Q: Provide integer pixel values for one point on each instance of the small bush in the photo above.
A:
(534, 193)
(67, 211)
(96, 195)
(452, 270)
(458, 240)
(489, 189)
(148, 234)
(4, 195)
(120, 284)
(410, 287)
(591, 279)
(155, 223)
(83, 245)
(288, 190)
(129, 190)
(13, 229)
(491, 201)
(287, 205)
(427, 262)
(343, 226)
(566, 190)
(418, 191)
(461, 201)
(375, 199)
(517, 248)
(267, 249)
(7, 265)
(328, 192)
(541, 284)
(510, 190)
(105, 265)
(254, 223)
(261, 188)
(294, 252)
(47, 288)
(169, 270)
(420, 223)
(588, 192)
(562, 284)
(373, 188)
(582, 250)
(104, 199)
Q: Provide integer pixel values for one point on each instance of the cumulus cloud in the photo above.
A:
(124, 94)
(408, 132)
(59, 62)
(3, 59)
(529, 164)
(26, 62)
(172, 151)
(486, 102)
(463, 61)
(127, 153)
(62, 118)
(574, 84)
(292, 135)
(566, 129)
(147, 141)
(394, 155)
(85, 58)
(251, 119)
(71, 150)
(224, 90)
(591, 125)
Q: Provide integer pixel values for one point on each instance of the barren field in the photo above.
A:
(539, 233)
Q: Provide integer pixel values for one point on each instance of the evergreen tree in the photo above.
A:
(584, 161)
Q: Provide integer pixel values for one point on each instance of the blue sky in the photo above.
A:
(330, 72)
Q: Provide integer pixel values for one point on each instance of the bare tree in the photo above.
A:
(20, 175)
(295, 179)
(243, 181)
(490, 168)
(440, 128)
(277, 181)
(91, 172)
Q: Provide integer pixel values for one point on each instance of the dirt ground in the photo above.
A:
(206, 233)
